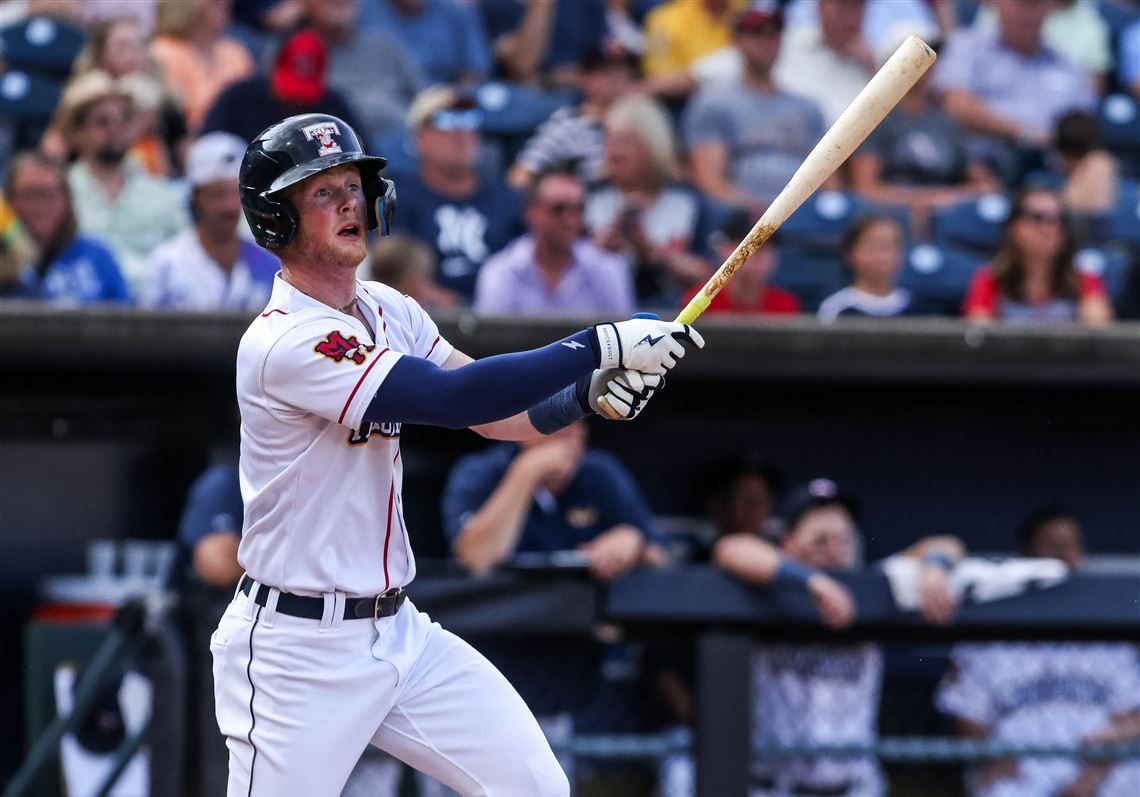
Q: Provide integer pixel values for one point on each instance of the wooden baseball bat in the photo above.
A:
(896, 77)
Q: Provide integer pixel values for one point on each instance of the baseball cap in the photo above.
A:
(215, 156)
(299, 71)
(444, 108)
(813, 495)
(758, 14)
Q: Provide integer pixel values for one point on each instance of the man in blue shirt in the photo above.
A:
(446, 204)
(210, 529)
(446, 40)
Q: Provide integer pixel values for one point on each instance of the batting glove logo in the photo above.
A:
(338, 348)
(650, 340)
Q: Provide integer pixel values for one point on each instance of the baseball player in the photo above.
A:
(319, 654)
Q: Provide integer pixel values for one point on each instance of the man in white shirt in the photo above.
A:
(210, 266)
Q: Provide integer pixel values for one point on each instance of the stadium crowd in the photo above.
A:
(597, 157)
(588, 157)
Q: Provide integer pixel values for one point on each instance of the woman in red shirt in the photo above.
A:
(1033, 277)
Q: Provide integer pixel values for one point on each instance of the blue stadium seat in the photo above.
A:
(818, 224)
(1120, 125)
(1110, 264)
(811, 276)
(975, 224)
(1126, 216)
(939, 276)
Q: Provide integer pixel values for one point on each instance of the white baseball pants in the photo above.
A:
(298, 701)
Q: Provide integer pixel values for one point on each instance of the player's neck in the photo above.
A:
(334, 287)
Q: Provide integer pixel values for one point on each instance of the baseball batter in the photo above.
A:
(319, 654)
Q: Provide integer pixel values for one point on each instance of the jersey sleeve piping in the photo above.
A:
(360, 382)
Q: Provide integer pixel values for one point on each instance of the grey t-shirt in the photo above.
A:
(919, 149)
(767, 135)
(377, 77)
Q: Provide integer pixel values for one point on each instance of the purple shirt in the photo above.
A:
(1033, 90)
(596, 283)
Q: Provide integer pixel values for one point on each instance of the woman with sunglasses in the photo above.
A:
(1033, 277)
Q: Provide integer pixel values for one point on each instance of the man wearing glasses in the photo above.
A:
(553, 269)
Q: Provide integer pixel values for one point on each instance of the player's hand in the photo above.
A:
(938, 605)
(834, 601)
(643, 344)
(626, 392)
(613, 553)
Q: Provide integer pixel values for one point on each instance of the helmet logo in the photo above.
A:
(323, 132)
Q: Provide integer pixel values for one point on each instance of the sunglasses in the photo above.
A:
(562, 208)
(1040, 217)
(450, 120)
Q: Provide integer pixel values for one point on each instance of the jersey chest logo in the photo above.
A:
(339, 348)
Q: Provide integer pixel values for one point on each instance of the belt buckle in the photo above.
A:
(394, 592)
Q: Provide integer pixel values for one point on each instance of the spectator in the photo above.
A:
(209, 266)
(812, 694)
(1007, 88)
(881, 18)
(65, 267)
(574, 133)
(1072, 29)
(118, 46)
(552, 269)
(369, 67)
(830, 63)
(872, 250)
(408, 265)
(210, 529)
(741, 495)
(295, 85)
(115, 199)
(16, 251)
(748, 291)
(446, 40)
(196, 59)
(917, 157)
(1047, 694)
(541, 44)
(746, 138)
(1090, 172)
(1032, 277)
(446, 204)
(544, 497)
(677, 34)
(1128, 67)
(641, 211)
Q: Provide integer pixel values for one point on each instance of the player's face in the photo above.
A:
(334, 213)
(824, 538)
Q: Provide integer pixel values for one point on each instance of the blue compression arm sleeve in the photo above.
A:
(487, 390)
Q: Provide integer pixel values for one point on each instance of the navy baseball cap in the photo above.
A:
(816, 494)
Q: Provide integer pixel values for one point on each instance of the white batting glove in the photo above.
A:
(643, 344)
(626, 392)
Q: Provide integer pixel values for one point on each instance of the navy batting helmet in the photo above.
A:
(296, 148)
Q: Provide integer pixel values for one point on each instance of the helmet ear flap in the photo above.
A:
(385, 209)
(274, 222)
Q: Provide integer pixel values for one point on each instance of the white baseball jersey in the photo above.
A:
(323, 511)
(822, 694)
(1043, 693)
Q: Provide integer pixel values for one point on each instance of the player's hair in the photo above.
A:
(859, 227)
(1036, 522)
(1009, 269)
(67, 229)
(650, 121)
